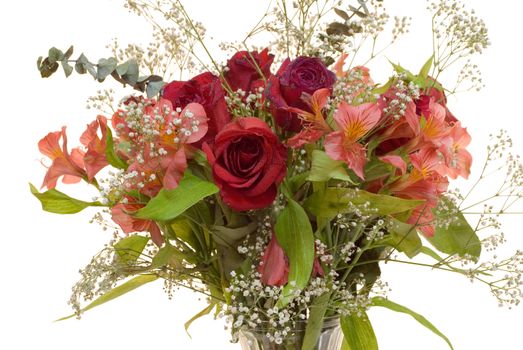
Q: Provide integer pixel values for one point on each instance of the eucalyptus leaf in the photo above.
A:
(154, 88)
(55, 55)
(47, 68)
(105, 67)
(168, 204)
(132, 72)
(342, 14)
(69, 52)
(294, 233)
(118, 291)
(382, 302)
(58, 202)
(358, 332)
(68, 69)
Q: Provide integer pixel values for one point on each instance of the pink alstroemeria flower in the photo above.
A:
(160, 160)
(121, 215)
(395, 161)
(458, 159)
(70, 166)
(314, 124)
(354, 122)
(94, 158)
(274, 266)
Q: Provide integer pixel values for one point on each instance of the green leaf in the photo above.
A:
(335, 200)
(47, 68)
(132, 72)
(105, 67)
(130, 248)
(400, 70)
(424, 71)
(164, 256)
(182, 229)
(110, 153)
(168, 204)
(57, 202)
(382, 302)
(404, 237)
(294, 233)
(116, 292)
(207, 310)
(153, 88)
(358, 332)
(324, 168)
(342, 14)
(68, 69)
(384, 88)
(315, 321)
(458, 238)
(230, 236)
(55, 55)
(69, 52)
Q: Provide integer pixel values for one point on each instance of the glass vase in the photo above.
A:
(331, 338)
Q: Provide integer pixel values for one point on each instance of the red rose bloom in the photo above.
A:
(285, 89)
(244, 70)
(435, 95)
(205, 89)
(248, 163)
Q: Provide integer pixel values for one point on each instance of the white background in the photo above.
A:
(41, 252)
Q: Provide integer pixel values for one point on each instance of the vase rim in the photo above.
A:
(328, 322)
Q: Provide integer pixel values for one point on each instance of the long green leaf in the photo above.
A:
(315, 321)
(335, 200)
(424, 71)
(294, 233)
(168, 204)
(207, 310)
(116, 292)
(382, 302)
(358, 332)
(58, 202)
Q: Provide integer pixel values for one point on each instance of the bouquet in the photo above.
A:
(276, 184)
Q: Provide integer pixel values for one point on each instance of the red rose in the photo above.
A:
(205, 89)
(248, 163)
(285, 89)
(243, 70)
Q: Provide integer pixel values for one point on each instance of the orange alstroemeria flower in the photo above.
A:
(70, 166)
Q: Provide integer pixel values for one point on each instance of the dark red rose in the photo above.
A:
(244, 70)
(248, 163)
(205, 89)
(285, 89)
